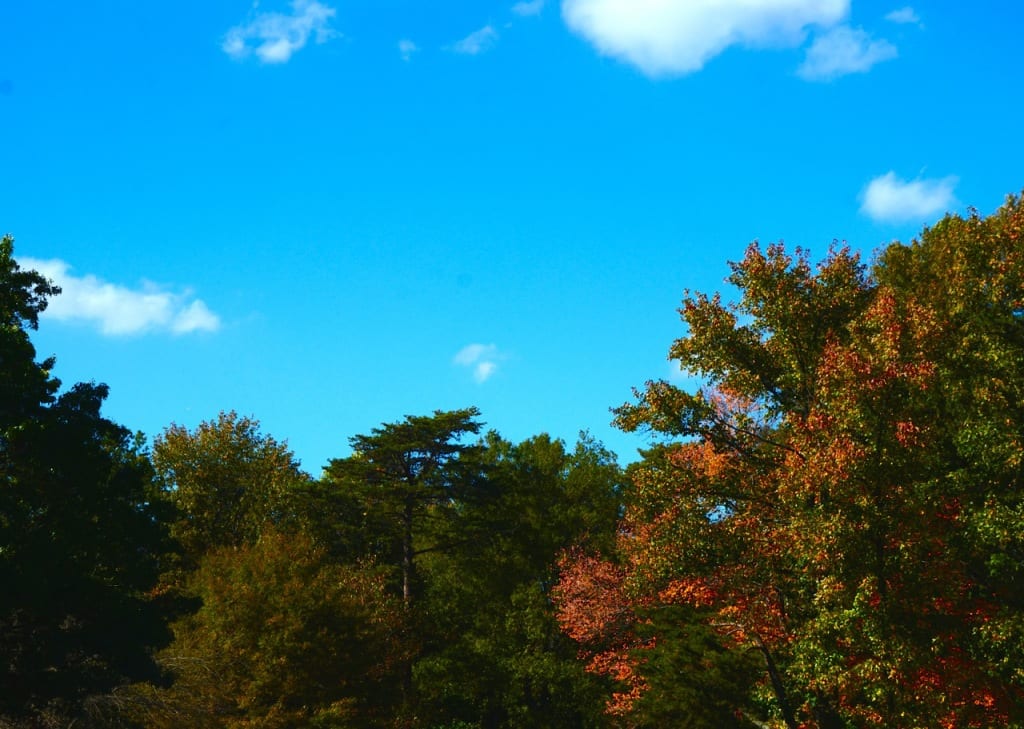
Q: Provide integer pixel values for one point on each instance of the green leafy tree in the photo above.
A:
(285, 637)
(81, 538)
(227, 479)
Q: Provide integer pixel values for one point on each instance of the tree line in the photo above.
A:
(827, 533)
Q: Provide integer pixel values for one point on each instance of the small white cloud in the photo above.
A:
(196, 317)
(474, 352)
(275, 37)
(477, 42)
(117, 310)
(842, 51)
(888, 198)
(483, 370)
(481, 358)
(406, 48)
(524, 9)
(234, 45)
(903, 15)
(674, 37)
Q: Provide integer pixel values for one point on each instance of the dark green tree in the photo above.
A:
(495, 656)
(692, 677)
(410, 482)
(81, 532)
(411, 479)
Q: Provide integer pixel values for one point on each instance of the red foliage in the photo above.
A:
(828, 501)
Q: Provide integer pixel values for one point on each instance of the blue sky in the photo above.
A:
(330, 214)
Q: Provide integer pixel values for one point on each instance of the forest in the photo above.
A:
(827, 533)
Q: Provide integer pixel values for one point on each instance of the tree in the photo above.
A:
(410, 480)
(227, 479)
(410, 476)
(707, 523)
(81, 538)
(669, 667)
(493, 654)
(26, 385)
(472, 530)
(842, 495)
(284, 638)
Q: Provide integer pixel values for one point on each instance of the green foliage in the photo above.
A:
(494, 654)
(693, 678)
(411, 478)
(25, 385)
(284, 638)
(298, 621)
(549, 497)
(81, 541)
(227, 480)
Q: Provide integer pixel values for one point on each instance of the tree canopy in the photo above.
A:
(841, 496)
(227, 479)
(826, 533)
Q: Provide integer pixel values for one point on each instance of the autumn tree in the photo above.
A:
(841, 496)
(703, 507)
(81, 538)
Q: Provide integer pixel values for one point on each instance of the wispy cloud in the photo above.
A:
(532, 7)
(482, 359)
(275, 37)
(477, 42)
(117, 310)
(674, 37)
(841, 51)
(406, 48)
(889, 199)
(903, 15)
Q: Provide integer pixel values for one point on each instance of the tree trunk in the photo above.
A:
(777, 686)
(407, 552)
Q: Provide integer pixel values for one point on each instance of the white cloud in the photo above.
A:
(481, 358)
(888, 198)
(532, 7)
(196, 317)
(477, 42)
(406, 48)
(903, 15)
(274, 37)
(841, 51)
(483, 370)
(672, 37)
(117, 310)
